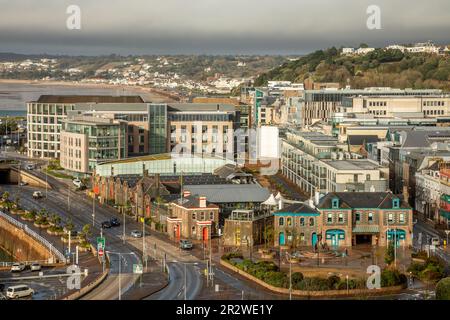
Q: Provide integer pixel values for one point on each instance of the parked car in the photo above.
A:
(435, 241)
(29, 166)
(106, 224)
(136, 234)
(77, 182)
(19, 291)
(17, 267)
(35, 266)
(23, 183)
(185, 244)
(115, 222)
(37, 195)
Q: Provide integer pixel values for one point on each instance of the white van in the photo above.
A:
(19, 291)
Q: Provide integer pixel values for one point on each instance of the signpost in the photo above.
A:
(138, 269)
(101, 246)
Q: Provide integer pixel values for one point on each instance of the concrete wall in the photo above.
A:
(22, 246)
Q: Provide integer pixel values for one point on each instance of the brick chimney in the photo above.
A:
(202, 202)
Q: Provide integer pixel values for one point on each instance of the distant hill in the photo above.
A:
(380, 68)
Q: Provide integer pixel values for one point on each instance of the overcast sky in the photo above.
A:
(215, 26)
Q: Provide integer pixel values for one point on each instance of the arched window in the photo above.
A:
(194, 216)
(289, 222)
(193, 230)
(281, 221)
(311, 222)
(302, 237)
(302, 222)
(211, 215)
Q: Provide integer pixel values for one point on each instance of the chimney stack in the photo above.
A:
(316, 197)
(202, 202)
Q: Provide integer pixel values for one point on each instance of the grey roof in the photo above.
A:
(382, 200)
(297, 208)
(356, 140)
(423, 139)
(358, 164)
(229, 193)
(185, 107)
(113, 107)
(88, 98)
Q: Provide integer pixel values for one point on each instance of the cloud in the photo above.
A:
(215, 26)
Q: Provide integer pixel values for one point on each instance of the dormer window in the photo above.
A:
(335, 203)
(395, 203)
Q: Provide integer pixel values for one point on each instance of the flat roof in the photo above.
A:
(362, 164)
(88, 98)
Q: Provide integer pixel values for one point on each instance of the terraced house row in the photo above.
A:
(345, 219)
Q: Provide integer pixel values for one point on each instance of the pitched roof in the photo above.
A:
(88, 98)
(298, 208)
(230, 193)
(193, 202)
(348, 200)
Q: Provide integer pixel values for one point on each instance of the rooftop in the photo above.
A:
(372, 200)
(88, 98)
(357, 164)
(229, 193)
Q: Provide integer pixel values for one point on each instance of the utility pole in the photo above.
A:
(143, 242)
(120, 277)
(93, 210)
(185, 282)
(68, 198)
(123, 238)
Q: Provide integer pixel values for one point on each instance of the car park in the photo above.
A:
(136, 234)
(18, 267)
(19, 291)
(186, 244)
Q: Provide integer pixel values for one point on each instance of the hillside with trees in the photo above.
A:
(379, 68)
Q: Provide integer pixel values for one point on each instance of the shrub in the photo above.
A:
(276, 278)
(296, 278)
(391, 278)
(231, 255)
(332, 281)
(390, 254)
(443, 289)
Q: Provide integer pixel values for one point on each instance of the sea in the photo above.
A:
(14, 96)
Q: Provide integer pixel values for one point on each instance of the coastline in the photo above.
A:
(156, 92)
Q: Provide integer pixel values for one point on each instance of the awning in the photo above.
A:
(366, 229)
(445, 214)
(446, 198)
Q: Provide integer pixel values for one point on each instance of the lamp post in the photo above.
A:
(346, 277)
(120, 254)
(290, 274)
(93, 210)
(185, 282)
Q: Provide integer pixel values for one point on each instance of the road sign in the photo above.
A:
(137, 268)
(101, 240)
(100, 251)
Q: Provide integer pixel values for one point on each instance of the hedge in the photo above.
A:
(443, 289)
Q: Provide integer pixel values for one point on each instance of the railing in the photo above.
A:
(43, 241)
(27, 263)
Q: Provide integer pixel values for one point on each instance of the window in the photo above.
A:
(330, 218)
(202, 215)
(281, 221)
(357, 217)
(402, 218)
(311, 222)
(335, 203)
(302, 222)
(390, 218)
(341, 217)
(211, 216)
(302, 237)
(396, 203)
(289, 222)
(370, 217)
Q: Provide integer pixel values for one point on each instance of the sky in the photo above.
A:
(215, 26)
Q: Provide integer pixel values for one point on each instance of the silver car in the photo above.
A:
(35, 267)
(136, 234)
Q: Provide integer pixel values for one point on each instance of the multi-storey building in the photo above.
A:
(313, 161)
(45, 115)
(319, 105)
(87, 140)
(344, 219)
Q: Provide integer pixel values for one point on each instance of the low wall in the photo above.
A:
(21, 245)
(324, 294)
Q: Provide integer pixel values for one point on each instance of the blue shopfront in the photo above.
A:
(396, 235)
(335, 236)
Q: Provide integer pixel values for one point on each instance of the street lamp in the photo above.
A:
(290, 274)
(120, 254)
(347, 282)
(93, 210)
(185, 284)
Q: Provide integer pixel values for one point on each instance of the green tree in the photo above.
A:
(268, 235)
(443, 289)
(5, 196)
(86, 231)
(390, 253)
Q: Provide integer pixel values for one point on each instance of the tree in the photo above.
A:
(443, 289)
(86, 231)
(390, 254)
(363, 45)
(268, 235)
(5, 196)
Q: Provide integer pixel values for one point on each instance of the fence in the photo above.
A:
(43, 241)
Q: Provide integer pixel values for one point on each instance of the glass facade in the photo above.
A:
(157, 128)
